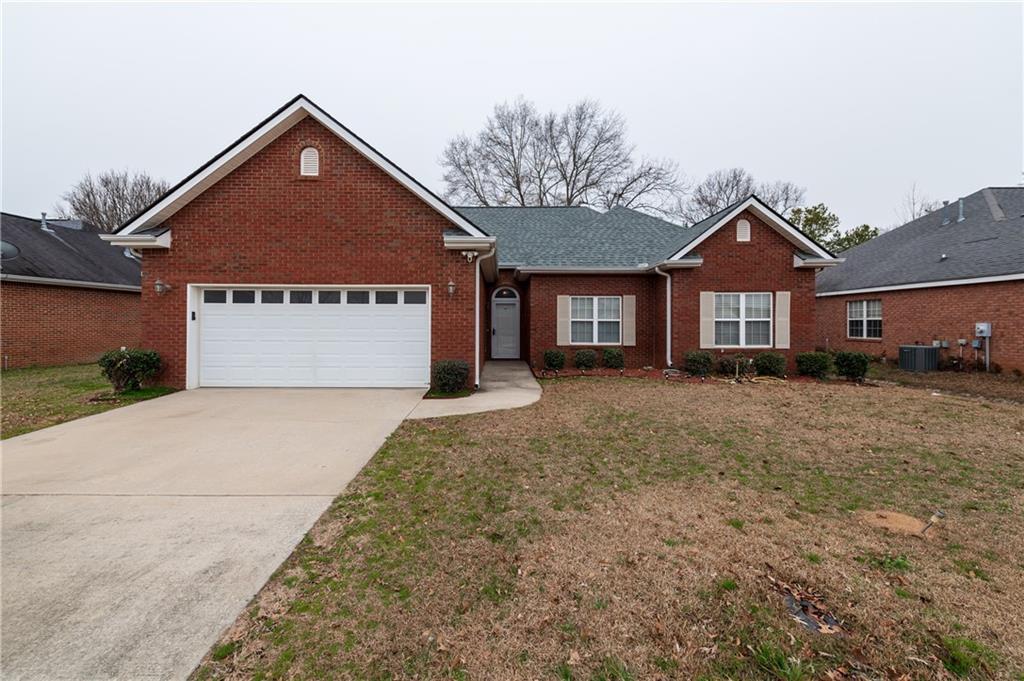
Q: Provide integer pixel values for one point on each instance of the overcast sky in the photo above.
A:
(854, 102)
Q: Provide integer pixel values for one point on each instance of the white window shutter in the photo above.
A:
(309, 161)
(629, 320)
(563, 334)
(707, 319)
(782, 320)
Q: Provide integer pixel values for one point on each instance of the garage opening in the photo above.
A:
(314, 337)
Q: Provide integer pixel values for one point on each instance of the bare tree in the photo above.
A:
(576, 158)
(722, 188)
(110, 198)
(914, 205)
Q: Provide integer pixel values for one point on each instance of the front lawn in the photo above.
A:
(1005, 386)
(39, 397)
(637, 529)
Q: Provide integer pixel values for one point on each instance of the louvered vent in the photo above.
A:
(743, 230)
(309, 162)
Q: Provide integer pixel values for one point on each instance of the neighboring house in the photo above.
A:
(66, 297)
(931, 280)
(300, 256)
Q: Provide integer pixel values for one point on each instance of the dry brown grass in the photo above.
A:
(1003, 386)
(625, 529)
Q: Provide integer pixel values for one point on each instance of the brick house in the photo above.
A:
(930, 281)
(66, 297)
(301, 256)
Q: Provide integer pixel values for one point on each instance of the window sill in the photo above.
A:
(864, 340)
(602, 345)
(742, 347)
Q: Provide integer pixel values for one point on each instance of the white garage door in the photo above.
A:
(303, 337)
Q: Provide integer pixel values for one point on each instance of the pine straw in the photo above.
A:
(629, 527)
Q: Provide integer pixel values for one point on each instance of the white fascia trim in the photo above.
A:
(925, 284)
(801, 263)
(582, 270)
(72, 283)
(765, 214)
(266, 134)
(467, 243)
(685, 263)
(138, 240)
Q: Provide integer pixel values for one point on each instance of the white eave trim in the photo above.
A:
(925, 284)
(768, 215)
(804, 263)
(139, 240)
(72, 283)
(469, 243)
(264, 135)
(639, 269)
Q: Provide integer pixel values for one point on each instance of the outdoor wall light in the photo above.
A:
(451, 288)
(161, 287)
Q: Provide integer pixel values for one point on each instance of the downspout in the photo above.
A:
(476, 340)
(668, 315)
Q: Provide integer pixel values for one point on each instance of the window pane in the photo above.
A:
(243, 296)
(386, 297)
(415, 297)
(727, 333)
(328, 297)
(358, 297)
(758, 305)
(607, 308)
(582, 332)
(758, 333)
(874, 328)
(215, 296)
(583, 308)
(874, 309)
(300, 297)
(607, 332)
(855, 309)
(727, 306)
(271, 297)
(856, 329)
(506, 293)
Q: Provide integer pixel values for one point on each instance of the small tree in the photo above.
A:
(822, 225)
(111, 198)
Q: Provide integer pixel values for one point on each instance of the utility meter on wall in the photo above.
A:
(982, 329)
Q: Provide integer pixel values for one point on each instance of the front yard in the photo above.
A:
(634, 529)
(39, 397)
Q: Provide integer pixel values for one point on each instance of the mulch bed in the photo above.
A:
(659, 375)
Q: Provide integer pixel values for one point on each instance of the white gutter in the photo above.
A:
(668, 315)
(139, 240)
(476, 336)
(72, 283)
(805, 263)
(639, 269)
(926, 284)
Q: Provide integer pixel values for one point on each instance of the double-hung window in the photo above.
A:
(596, 320)
(743, 319)
(864, 319)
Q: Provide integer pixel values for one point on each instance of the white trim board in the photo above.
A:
(767, 215)
(925, 284)
(264, 134)
(71, 283)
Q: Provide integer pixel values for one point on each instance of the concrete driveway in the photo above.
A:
(131, 539)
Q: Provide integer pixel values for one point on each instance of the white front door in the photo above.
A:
(314, 337)
(505, 326)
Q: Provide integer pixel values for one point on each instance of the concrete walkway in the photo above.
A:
(132, 538)
(504, 384)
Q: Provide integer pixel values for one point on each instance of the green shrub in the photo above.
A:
(816, 364)
(585, 359)
(770, 364)
(128, 369)
(852, 365)
(613, 358)
(554, 359)
(727, 365)
(697, 363)
(449, 375)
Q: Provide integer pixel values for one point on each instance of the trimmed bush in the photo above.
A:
(127, 369)
(585, 359)
(727, 365)
(816, 364)
(554, 359)
(852, 365)
(449, 375)
(613, 358)
(698, 363)
(770, 364)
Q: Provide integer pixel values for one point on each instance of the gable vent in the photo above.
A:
(743, 230)
(309, 162)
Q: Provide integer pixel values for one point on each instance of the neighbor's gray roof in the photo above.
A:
(989, 242)
(573, 236)
(64, 253)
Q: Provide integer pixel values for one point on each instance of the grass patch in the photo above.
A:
(774, 661)
(813, 558)
(885, 562)
(970, 568)
(728, 585)
(224, 650)
(735, 523)
(963, 656)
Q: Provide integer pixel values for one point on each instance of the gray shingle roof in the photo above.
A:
(64, 253)
(988, 242)
(573, 236)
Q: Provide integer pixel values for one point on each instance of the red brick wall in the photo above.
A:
(923, 315)
(265, 224)
(543, 313)
(52, 325)
(763, 264)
